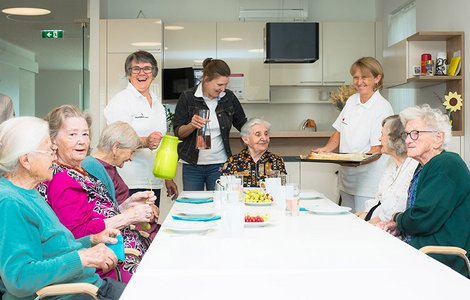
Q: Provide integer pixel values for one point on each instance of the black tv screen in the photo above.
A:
(292, 42)
(175, 81)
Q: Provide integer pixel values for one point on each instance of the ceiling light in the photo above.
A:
(146, 44)
(174, 27)
(26, 11)
(256, 50)
(231, 39)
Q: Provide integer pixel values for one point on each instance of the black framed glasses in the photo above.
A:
(136, 70)
(414, 134)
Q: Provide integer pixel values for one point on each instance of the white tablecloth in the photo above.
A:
(306, 257)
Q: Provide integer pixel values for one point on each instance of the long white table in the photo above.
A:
(306, 257)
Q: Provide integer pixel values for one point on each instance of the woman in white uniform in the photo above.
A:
(358, 130)
(139, 106)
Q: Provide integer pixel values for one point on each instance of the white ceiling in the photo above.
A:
(51, 54)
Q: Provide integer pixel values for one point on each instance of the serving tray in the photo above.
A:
(344, 159)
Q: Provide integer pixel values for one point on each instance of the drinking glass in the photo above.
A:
(292, 199)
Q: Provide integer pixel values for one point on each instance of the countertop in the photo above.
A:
(292, 134)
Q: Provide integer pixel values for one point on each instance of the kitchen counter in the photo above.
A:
(287, 143)
(292, 134)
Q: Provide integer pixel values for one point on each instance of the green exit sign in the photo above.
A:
(52, 34)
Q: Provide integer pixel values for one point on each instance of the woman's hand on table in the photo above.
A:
(389, 226)
(99, 257)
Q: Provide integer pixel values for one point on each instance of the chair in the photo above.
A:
(448, 250)
(68, 289)
(75, 288)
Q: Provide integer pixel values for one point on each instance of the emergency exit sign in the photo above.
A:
(52, 34)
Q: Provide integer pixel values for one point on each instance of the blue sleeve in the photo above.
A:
(24, 268)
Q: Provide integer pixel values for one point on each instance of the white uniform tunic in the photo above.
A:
(360, 125)
(132, 107)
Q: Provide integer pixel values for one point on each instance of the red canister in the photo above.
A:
(424, 58)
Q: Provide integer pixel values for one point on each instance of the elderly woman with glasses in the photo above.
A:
(139, 106)
(80, 200)
(37, 250)
(393, 187)
(254, 162)
(438, 205)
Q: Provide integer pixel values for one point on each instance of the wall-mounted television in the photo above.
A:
(292, 42)
(175, 81)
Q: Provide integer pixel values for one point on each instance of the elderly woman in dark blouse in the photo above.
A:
(254, 162)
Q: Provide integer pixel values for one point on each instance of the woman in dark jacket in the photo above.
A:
(201, 168)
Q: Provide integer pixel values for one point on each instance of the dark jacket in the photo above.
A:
(229, 112)
(441, 209)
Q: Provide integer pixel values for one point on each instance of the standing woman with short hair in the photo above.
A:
(201, 168)
(140, 107)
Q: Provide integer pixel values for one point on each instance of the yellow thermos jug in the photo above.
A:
(166, 159)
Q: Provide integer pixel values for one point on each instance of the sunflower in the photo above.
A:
(453, 102)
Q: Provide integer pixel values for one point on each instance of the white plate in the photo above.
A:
(310, 195)
(195, 210)
(257, 224)
(258, 203)
(197, 195)
(182, 226)
(330, 210)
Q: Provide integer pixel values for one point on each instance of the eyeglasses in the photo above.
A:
(136, 70)
(414, 134)
(52, 153)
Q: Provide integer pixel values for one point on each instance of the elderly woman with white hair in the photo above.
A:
(117, 145)
(438, 205)
(254, 162)
(37, 250)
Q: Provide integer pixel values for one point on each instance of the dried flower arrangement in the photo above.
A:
(340, 97)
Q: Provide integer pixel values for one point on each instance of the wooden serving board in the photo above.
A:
(344, 159)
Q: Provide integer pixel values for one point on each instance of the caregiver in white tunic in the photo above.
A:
(358, 130)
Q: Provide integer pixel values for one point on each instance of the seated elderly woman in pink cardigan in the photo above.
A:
(80, 200)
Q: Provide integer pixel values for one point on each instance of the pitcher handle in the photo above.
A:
(262, 186)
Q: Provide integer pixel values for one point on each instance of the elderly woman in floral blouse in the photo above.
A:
(254, 162)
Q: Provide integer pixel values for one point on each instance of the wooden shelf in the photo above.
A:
(402, 56)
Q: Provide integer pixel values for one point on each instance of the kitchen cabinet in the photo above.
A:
(240, 45)
(321, 177)
(341, 44)
(118, 39)
(188, 44)
(400, 58)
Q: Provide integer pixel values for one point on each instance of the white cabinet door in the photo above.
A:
(241, 46)
(188, 44)
(127, 36)
(321, 177)
(293, 171)
(298, 74)
(343, 44)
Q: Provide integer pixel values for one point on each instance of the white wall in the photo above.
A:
(54, 88)
(17, 70)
